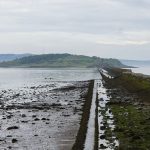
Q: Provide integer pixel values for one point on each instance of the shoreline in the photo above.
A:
(42, 118)
(130, 106)
(62, 115)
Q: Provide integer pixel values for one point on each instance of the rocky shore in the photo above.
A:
(130, 105)
(55, 116)
(45, 116)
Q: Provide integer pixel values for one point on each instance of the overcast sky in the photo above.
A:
(105, 28)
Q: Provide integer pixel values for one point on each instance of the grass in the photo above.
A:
(133, 83)
(132, 119)
(136, 83)
(132, 127)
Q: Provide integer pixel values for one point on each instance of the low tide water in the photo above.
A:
(20, 77)
(143, 70)
(44, 106)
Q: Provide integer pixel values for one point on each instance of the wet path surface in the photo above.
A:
(90, 136)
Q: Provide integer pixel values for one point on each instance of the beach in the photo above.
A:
(44, 115)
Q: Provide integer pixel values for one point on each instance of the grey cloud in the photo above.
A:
(91, 20)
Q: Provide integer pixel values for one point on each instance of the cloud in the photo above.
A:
(126, 39)
(120, 42)
(85, 25)
(70, 15)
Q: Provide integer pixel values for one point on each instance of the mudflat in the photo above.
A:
(42, 117)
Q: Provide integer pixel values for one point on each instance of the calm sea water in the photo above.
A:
(15, 78)
(143, 70)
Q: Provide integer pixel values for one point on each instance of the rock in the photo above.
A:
(24, 121)
(36, 119)
(9, 117)
(55, 105)
(102, 146)
(101, 99)
(9, 147)
(102, 128)
(102, 137)
(16, 95)
(12, 128)
(14, 140)
(35, 135)
(33, 116)
(33, 87)
(66, 115)
(23, 115)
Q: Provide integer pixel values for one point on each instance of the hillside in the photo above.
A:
(10, 57)
(61, 60)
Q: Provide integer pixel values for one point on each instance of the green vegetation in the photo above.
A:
(132, 126)
(130, 105)
(61, 60)
(137, 83)
(133, 83)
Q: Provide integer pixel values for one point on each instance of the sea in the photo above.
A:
(144, 70)
(11, 78)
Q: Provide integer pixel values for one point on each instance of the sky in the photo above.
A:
(104, 28)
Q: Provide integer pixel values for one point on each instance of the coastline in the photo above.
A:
(130, 106)
(41, 118)
(121, 114)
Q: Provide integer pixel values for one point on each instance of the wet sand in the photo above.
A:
(42, 117)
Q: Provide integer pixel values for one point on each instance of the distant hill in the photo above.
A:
(10, 57)
(61, 60)
(136, 63)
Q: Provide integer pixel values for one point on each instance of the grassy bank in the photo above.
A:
(132, 126)
(81, 136)
(133, 83)
(130, 104)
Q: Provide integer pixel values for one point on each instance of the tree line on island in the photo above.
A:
(61, 61)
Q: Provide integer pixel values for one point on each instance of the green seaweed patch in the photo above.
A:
(134, 83)
(132, 126)
(138, 83)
